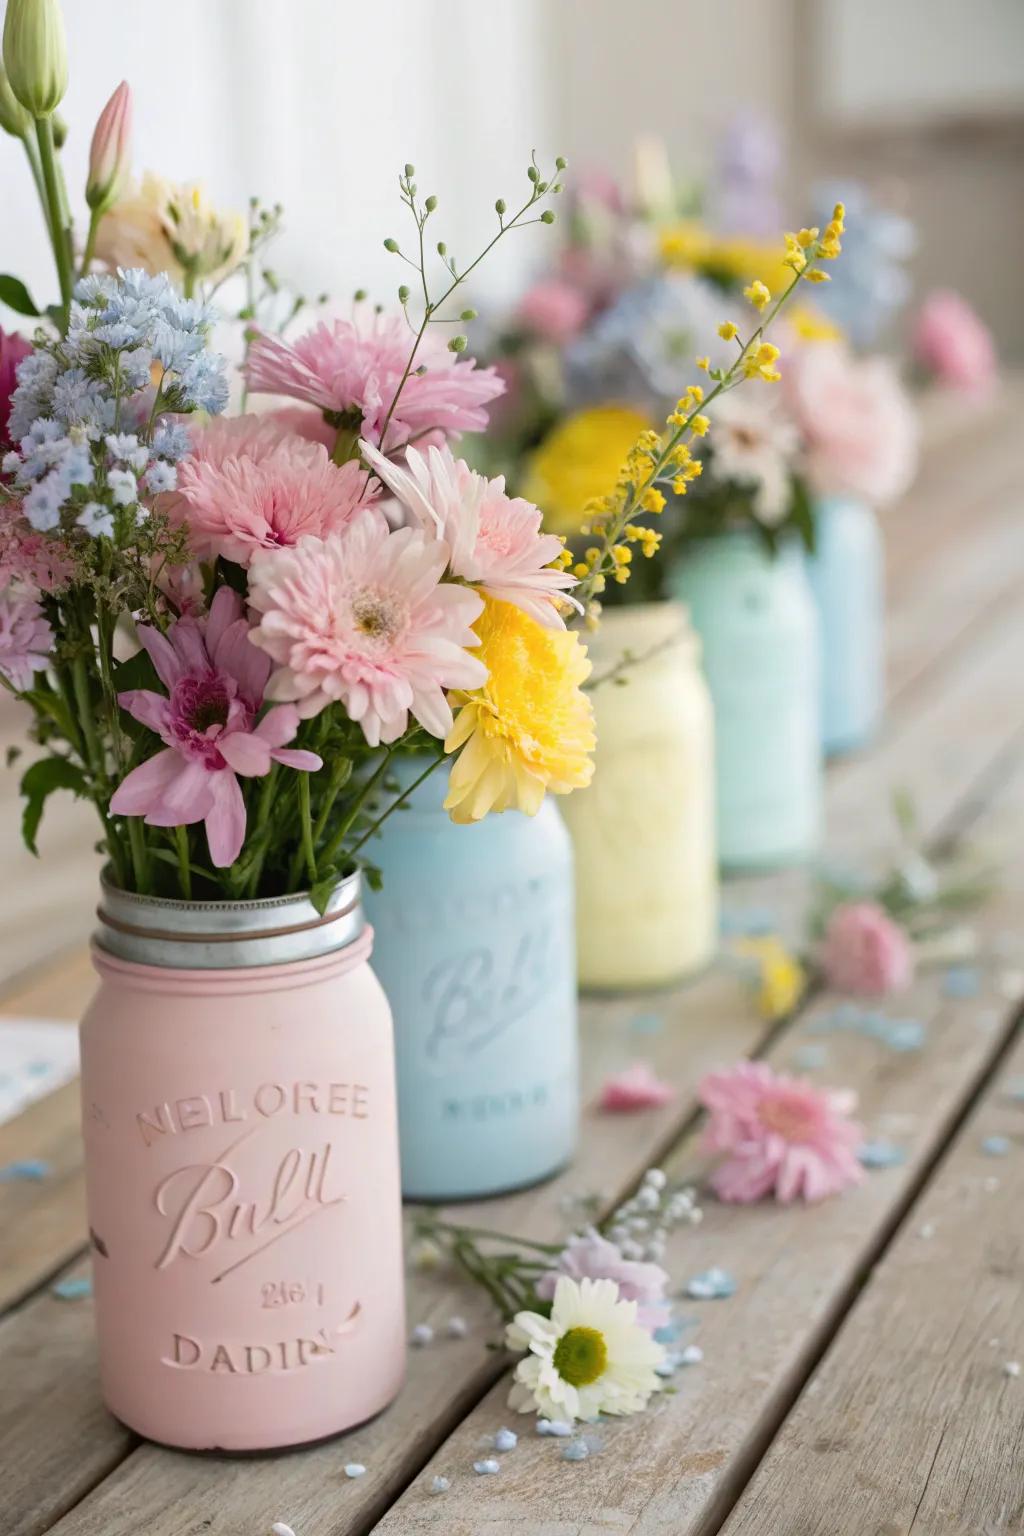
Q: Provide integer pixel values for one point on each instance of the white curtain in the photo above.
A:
(316, 104)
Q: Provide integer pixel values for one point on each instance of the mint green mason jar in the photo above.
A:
(759, 630)
(474, 945)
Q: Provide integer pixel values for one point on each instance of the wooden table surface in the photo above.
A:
(856, 1384)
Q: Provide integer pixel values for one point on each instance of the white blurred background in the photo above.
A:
(318, 103)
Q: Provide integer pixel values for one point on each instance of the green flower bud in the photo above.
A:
(442, 249)
(500, 206)
(403, 294)
(533, 174)
(410, 170)
(560, 163)
(60, 131)
(458, 344)
(13, 117)
(542, 186)
(547, 217)
(430, 204)
(468, 314)
(360, 295)
(391, 245)
(36, 54)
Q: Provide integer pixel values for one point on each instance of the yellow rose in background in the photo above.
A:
(579, 460)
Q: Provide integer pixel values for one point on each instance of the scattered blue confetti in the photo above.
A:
(671, 1331)
(995, 1146)
(881, 1154)
(506, 1440)
(557, 1427)
(72, 1290)
(647, 1024)
(25, 1168)
(38, 1068)
(576, 1450)
(897, 1034)
(440, 1485)
(486, 1467)
(748, 922)
(961, 981)
(691, 1355)
(355, 1469)
(713, 1285)
(809, 1057)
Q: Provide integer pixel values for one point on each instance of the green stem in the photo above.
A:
(263, 805)
(431, 1227)
(32, 155)
(58, 231)
(345, 445)
(402, 798)
(90, 241)
(306, 824)
(341, 831)
(184, 866)
(140, 854)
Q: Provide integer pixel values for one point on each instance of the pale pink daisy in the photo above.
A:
(260, 487)
(592, 1257)
(364, 618)
(353, 369)
(215, 681)
(782, 1135)
(495, 540)
(637, 1087)
(26, 638)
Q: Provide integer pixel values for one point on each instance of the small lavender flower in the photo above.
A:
(161, 476)
(96, 519)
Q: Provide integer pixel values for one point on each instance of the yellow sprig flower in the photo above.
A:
(530, 728)
(781, 977)
(699, 426)
(758, 293)
(728, 331)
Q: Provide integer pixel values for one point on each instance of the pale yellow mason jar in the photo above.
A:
(644, 832)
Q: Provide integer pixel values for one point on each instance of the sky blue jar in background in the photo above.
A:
(758, 625)
(475, 947)
(847, 577)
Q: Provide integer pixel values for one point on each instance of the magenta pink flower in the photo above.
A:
(215, 681)
(353, 369)
(858, 425)
(363, 617)
(249, 485)
(593, 1257)
(553, 310)
(495, 541)
(636, 1088)
(26, 638)
(865, 953)
(781, 1136)
(36, 559)
(954, 345)
(13, 349)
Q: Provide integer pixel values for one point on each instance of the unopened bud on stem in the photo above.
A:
(36, 54)
(110, 154)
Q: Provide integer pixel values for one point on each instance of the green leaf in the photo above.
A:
(40, 781)
(53, 706)
(321, 893)
(373, 877)
(16, 296)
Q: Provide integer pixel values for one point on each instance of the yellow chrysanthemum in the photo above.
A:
(781, 977)
(530, 728)
(579, 461)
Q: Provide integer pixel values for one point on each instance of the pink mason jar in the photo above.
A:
(238, 1104)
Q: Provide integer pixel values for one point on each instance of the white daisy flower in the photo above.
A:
(589, 1357)
(754, 447)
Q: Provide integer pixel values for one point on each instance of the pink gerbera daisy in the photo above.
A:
(782, 1135)
(352, 370)
(215, 681)
(26, 639)
(363, 617)
(495, 540)
(251, 485)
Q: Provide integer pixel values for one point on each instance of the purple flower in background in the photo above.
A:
(745, 187)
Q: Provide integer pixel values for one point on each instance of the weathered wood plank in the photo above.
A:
(911, 1418)
(677, 1470)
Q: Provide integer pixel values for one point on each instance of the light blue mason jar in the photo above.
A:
(847, 577)
(474, 943)
(758, 625)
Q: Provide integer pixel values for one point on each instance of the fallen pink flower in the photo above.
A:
(865, 953)
(593, 1257)
(633, 1089)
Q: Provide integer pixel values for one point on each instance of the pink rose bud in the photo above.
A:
(865, 953)
(111, 150)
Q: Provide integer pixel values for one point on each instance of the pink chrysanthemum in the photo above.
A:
(495, 540)
(26, 638)
(250, 485)
(865, 952)
(364, 618)
(215, 681)
(353, 369)
(39, 560)
(782, 1135)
